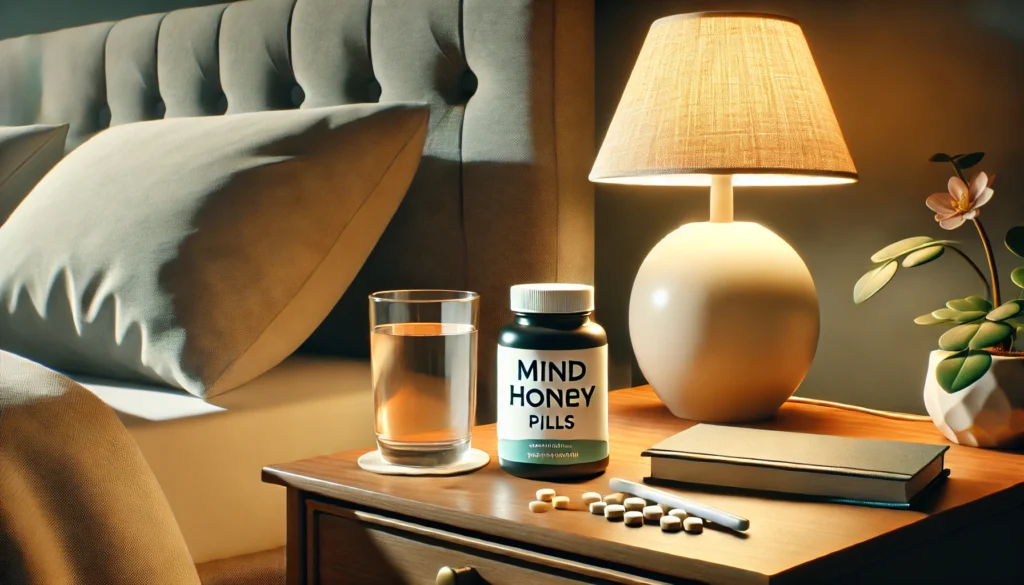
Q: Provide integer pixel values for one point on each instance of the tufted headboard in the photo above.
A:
(501, 196)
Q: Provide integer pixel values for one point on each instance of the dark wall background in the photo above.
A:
(25, 17)
(906, 79)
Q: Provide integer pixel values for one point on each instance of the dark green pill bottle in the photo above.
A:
(552, 384)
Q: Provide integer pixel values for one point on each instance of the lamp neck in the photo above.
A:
(721, 198)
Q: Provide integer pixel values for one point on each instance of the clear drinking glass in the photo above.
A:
(423, 358)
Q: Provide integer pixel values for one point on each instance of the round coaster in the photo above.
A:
(474, 459)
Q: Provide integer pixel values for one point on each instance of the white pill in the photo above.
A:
(539, 507)
(616, 498)
(679, 513)
(652, 514)
(591, 497)
(671, 524)
(597, 508)
(560, 502)
(634, 504)
(545, 494)
(614, 511)
(693, 524)
(634, 518)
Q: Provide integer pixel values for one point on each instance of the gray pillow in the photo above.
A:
(200, 252)
(26, 154)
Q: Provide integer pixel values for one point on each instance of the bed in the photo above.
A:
(500, 197)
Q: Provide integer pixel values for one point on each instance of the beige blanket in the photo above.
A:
(78, 504)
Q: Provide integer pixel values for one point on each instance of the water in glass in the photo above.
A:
(424, 391)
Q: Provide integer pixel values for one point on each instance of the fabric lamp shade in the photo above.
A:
(724, 94)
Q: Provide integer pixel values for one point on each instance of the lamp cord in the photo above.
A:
(871, 411)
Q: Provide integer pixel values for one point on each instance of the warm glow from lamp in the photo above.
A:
(718, 93)
(723, 315)
(745, 180)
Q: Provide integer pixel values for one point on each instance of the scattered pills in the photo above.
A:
(693, 524)
(634, 504)
(545, 494)
(616, 498)
(620, 506)
(653, 514)
(634, 518)
(614, 511)
(671, 524)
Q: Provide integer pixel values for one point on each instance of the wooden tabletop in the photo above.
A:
(786, 538)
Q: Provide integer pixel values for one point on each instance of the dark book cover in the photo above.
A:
(887, 460)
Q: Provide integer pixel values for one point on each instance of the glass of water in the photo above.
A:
(423, 358)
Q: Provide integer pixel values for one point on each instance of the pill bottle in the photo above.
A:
(552, 384)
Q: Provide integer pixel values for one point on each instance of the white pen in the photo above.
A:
(693, 508)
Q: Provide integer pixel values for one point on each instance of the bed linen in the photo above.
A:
(78, 504)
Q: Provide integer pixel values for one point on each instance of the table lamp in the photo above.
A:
(723, 315)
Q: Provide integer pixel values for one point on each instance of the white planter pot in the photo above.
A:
(988, 413)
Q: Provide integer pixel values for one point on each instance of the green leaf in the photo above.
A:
(968, 316)
(1017, 276)
(959, 371)
(959, 337)
(930, 319)
(966, 161)
(971, 303)
(899, 248)
(873, 282)
(922, 256)
(982, 302)
(940, 157)
(974, 336)
(946, 314)
(990, 333)
(1004, 312)
(1014, 240)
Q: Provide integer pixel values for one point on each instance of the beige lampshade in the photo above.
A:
(728, 94)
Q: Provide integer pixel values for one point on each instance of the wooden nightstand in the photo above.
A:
(349, 526)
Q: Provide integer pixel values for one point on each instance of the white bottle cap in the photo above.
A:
(552, 298)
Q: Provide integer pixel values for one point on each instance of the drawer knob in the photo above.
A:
(458, 576)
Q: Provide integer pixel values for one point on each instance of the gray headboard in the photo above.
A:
(501, 196)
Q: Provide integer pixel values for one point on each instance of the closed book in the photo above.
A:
(824, 466)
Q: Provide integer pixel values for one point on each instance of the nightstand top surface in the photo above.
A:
(787, 538)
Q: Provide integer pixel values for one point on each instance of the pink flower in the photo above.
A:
(962, 202)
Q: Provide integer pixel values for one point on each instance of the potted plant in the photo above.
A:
(974, 391)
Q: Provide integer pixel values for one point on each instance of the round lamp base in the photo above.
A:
(724, 321)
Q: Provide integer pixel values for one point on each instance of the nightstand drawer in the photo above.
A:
(353, 547)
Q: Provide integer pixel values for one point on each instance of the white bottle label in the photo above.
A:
(553, 405)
